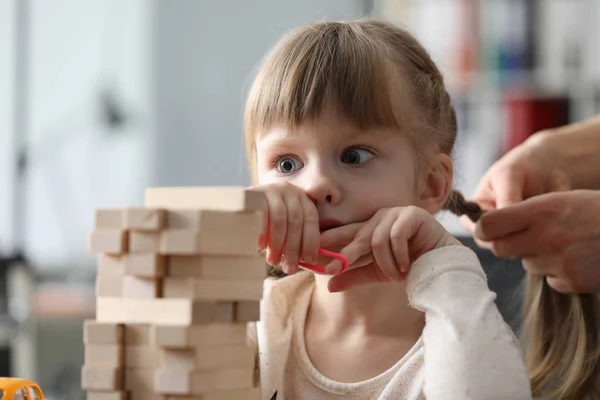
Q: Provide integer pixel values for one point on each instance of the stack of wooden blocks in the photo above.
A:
(178, 281)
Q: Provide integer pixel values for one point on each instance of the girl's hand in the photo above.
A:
(382, 249)
(291, 228)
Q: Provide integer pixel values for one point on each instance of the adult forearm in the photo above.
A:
(578, 148)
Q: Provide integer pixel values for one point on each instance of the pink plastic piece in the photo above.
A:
(327, 253)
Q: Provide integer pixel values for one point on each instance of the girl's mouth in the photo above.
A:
(329, 223)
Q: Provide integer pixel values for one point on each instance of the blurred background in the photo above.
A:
(100, 99)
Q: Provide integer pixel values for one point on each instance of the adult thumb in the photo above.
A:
(558, 181)
(508, 188)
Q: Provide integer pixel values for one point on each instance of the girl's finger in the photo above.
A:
(368, 275)
(352, 252)
(310, 230)
(277, 227)
(362, 261)
(342, 235)
(358, 247)
(293, 235)
(399, 243)
(382, 249)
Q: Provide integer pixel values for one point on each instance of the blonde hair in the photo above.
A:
(374, 73)
(378, 75)
(562, 342)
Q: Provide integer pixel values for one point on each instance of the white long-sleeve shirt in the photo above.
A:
(466, 350)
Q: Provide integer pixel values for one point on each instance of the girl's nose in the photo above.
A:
(324, 191)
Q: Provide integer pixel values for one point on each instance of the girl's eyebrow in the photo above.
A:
(277, 140)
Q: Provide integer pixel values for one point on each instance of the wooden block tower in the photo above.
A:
(178, 281)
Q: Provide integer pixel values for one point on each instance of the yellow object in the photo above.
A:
(19, 389)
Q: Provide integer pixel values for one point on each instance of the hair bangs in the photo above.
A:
(329, 65)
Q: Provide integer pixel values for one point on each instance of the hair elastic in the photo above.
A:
(320, 269)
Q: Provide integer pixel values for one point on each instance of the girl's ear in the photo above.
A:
(438, 184)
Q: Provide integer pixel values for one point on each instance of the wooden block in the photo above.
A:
(138, 334)
(147, 265)
(236, 394)
(223, 198)
(224, 312)
(199, 382)
(95, 332)
(101, 379)
(139, 379)
(109, 218)
(246, 311)
(109, 286)
(190, 242)
(217, 267)
(169, 336)
(243, 223)
(155, 311)
(141, 288)
(111, 265)
(144, 219)
(144, 242)
(203, 358)
(141, 356)
(138, 395)
(104, 356)
(193, 288)
(107, 396)
(109, 241)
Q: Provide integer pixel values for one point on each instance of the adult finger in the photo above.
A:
(561, 285)
(498, 223)
(541, 265)
(482, 243)
(508, 187)
(519, 245)
(558, 181)
(485, 204)
(381, 245)
(310, 234)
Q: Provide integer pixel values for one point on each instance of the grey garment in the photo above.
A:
(505, 278)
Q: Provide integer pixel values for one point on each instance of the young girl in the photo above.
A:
(349, 132)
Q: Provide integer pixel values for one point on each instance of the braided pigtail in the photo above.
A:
(458, 205)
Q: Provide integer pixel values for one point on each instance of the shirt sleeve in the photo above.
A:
(470, 352)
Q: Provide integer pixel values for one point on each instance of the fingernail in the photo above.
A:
(309, 259)
(333, 267)
(289, 268)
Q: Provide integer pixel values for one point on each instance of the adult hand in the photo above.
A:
(529, 170)
(557, 235)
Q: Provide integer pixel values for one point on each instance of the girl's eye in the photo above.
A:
(356, 156)
(287, 164)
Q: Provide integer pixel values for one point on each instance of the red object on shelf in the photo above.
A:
(528, 114)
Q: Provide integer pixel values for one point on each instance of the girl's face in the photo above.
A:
(350, 173)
